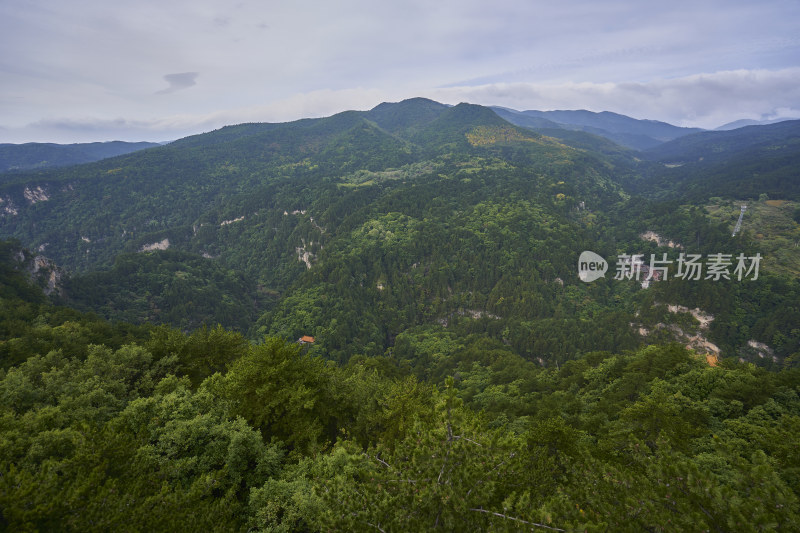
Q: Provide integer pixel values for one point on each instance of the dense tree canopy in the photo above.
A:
(461, 376)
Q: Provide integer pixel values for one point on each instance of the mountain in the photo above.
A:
(200, 181)
(743, 163)
(405, 117)
(525, 120)
(749, 122)
(15, 157)
(377, 321)
(335, 206)
(626, 131)
(367, 228)
(722, 144)
(110, 424)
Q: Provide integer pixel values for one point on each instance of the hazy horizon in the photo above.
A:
(92, 71)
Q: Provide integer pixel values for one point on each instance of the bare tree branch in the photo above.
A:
(381, 461)
(517, 519)
(467, 439)
(444, 464)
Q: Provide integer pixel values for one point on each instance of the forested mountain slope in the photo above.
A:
(108, 426)
(16, 157)
(626, 131)
(743, 163)
(408, 222)
(462, 376)
(717, 145)
(284, 204)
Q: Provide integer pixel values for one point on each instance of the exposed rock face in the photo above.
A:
(34, 195)
(231, 221)
(304, 255)
(658, 239)
(7, 207)
(759, 349)
(704, 318)
(52, 275)
(696, 338)
(476, 314)
(161, 245)
(697, 341)
(41, 271)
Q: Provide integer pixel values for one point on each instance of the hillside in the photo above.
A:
(363, 228)
(717, 145)
(632, 133)
(16, 157)
(314, 195)
(107, 425)
(741, 164)
(774, 224)
(460, 376)
(179, 288)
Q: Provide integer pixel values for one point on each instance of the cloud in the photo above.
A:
(178, 81)
(704, 100)
(318, 58)
(170, 127)
(91, 129)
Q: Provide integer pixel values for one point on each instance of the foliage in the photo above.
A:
(462, 377)
(207, 431)
(15, 157)
(180, 289)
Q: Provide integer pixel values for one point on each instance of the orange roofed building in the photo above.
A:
(306, 339)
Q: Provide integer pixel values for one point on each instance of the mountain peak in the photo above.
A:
(405, 116)
(417, 102)
(470, 115)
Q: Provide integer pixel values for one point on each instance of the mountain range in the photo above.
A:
(414, 318)
(16, 157)
(363, 227)
(750, 122)
(625, 131)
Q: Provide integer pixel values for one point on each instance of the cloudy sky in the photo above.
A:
(89, 70)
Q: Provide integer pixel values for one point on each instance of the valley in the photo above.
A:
(376, 318)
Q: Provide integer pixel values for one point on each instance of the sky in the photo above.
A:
(157, 70)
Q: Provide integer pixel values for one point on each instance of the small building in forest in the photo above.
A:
(305, 339)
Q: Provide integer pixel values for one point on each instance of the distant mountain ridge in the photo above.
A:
(623, 130)
(400, 118)
(411, 117)
(744, 162)
(31, 156)
(741, 123)
(718, 144)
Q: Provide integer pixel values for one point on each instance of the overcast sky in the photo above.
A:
(93, 70)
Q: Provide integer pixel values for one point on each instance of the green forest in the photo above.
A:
(461, 376)
(108, 426)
